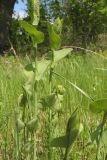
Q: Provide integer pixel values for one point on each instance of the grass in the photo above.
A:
(80, 70)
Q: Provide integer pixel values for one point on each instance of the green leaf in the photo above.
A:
(96, 134)
(55, 40)
(48, 101)
(65, 141)
(22, 100)
(20, 125)
(60, 54)
(42, 67)
(28, 88)
(72, 122)
(74, 128)
(29, 72)
(32, 125)
(37, 36)
(104, 139)
(68, 140)
(52, 101)
(60, 142)
(58, 103)
(72, 136)
(99, 106)
(30, 67)
(57, 26)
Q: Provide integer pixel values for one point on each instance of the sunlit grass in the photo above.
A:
(80, 70)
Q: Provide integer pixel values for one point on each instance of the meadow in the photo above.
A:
(88, 72)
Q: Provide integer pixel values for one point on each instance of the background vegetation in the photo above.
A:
(53, 81)
(84, 24)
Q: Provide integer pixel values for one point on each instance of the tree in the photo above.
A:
(56, 9)
(84, 21)
(6, 11)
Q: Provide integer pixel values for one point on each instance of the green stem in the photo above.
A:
(23, 118)
(66, 156)
(6, 139)
(16, 135)
(35, 115)
(35, 103)
(17, 144)
(101, 133)
(17, 138)
(24, 131)
(50, 118)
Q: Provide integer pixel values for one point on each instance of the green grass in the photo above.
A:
(80, 70)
